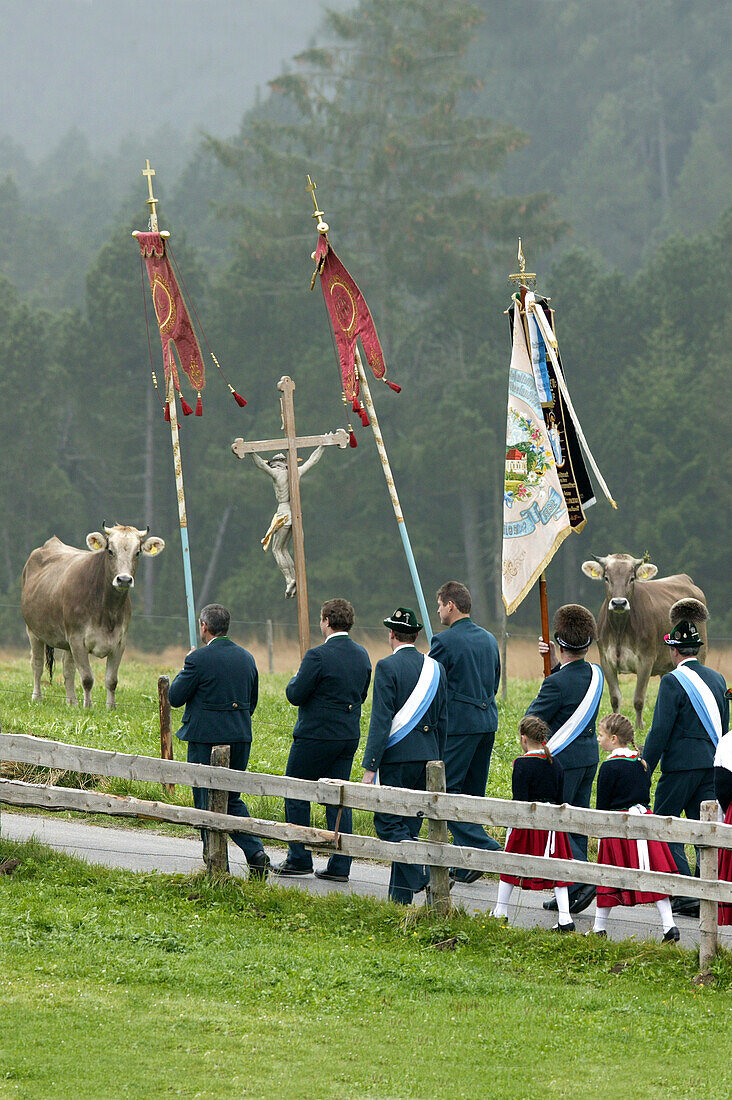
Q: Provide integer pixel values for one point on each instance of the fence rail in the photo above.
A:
(433, 805)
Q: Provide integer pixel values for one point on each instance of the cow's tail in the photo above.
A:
(49, 661)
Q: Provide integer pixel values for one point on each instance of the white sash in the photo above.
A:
(644, 862)
(417, 704)
(702, 699)
(577, 722)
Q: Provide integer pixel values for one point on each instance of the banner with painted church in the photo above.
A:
(536, 519)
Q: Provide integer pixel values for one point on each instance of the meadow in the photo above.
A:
(116, 984)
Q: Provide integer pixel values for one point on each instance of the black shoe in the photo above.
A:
(672, 936)
(465, 877)
(563, 927)
(685, 907)
(260, 867)
(601, 933)
(291, 869)
(551, 905)
(584, 897)
(330, 877)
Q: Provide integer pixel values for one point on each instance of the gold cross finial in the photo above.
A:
(152, 201)
(318, 215)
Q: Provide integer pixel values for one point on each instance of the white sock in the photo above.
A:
(505, 889)
(601, 916)
(561, 893)
(667, 917)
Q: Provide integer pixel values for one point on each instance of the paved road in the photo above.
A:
(144, 850)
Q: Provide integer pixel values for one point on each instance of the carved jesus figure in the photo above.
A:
(279, 534)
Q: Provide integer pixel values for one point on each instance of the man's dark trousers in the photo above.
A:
(311, 759)
(467, 760)
(683, 792)
(577, 791)
(199, 752)
(407, 879)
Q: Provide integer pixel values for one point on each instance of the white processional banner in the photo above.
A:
(535, 517)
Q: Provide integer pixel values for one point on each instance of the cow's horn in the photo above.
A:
(107, 529)
(145, 533)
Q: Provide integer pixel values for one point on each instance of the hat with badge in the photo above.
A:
(685, 616)
(403, 620)
(574, 627)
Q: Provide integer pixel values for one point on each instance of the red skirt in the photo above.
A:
(725, 872)
(617, 852)
(535, 842)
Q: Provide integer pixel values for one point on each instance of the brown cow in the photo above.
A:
(633, 621)
(80, 603)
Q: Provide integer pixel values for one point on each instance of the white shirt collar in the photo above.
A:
(404, 645)
(623, 750)
(337, 634)
(686, 661)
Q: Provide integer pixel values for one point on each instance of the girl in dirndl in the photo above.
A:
(537, 777)
(723, 792)
(623, 783)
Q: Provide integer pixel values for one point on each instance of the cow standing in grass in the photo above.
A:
(79, 602)
(633, 620)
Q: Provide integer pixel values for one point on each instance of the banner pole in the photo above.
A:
(182, 517)
(544, 605)
(368, 402)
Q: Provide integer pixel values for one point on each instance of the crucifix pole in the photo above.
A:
(287, 386)
(291, 443)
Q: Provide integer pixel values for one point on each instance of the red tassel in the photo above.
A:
(364, 417)
(237, 397)
(393, 386)
(352, 441)
(187, 410)
(356, 406)
(167, 412)
(199, 405)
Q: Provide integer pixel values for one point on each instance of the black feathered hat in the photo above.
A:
(685, 616)
(574, 626)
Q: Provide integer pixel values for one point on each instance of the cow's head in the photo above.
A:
(619, 572)
(123, 546)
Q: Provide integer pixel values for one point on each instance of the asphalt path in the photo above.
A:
(143, 850)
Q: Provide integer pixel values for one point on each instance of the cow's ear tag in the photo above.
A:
(593, 570)
(96, 541)
(646, 571)
(153, 545)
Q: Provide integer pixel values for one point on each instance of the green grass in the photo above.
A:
(118, 985)
(134, 728)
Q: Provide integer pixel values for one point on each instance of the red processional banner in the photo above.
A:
(351, 320)
(172, 315)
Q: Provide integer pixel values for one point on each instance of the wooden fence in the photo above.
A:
(435, 806)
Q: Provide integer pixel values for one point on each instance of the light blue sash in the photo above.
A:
(577, 722)
(702, 700)
(417, 705)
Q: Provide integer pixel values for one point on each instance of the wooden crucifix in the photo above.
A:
(287, 520)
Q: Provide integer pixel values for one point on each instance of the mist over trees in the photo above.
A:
(437, 132)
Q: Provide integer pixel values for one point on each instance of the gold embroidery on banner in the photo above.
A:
(345, 307)
(164, 303)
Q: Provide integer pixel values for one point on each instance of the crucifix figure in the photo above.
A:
(286, 523)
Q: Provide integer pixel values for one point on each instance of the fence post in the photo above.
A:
(166, 733)
(270, 646)
(439, 893)
(708, 911)
(215, 843)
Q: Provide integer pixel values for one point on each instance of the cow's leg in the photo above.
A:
(610, 673)
(81, 660)
(38, 654)
(110, 677)
(69, 678)
(641, 687)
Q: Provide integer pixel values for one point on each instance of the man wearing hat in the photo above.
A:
(472, 664)
(568, 701)
(690, 717)
(408, 727)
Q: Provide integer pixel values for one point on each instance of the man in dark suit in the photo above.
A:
(681, 736)
(408, 727)
(568, 701)
(469, 654)
(219, 686)
(329, 688)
